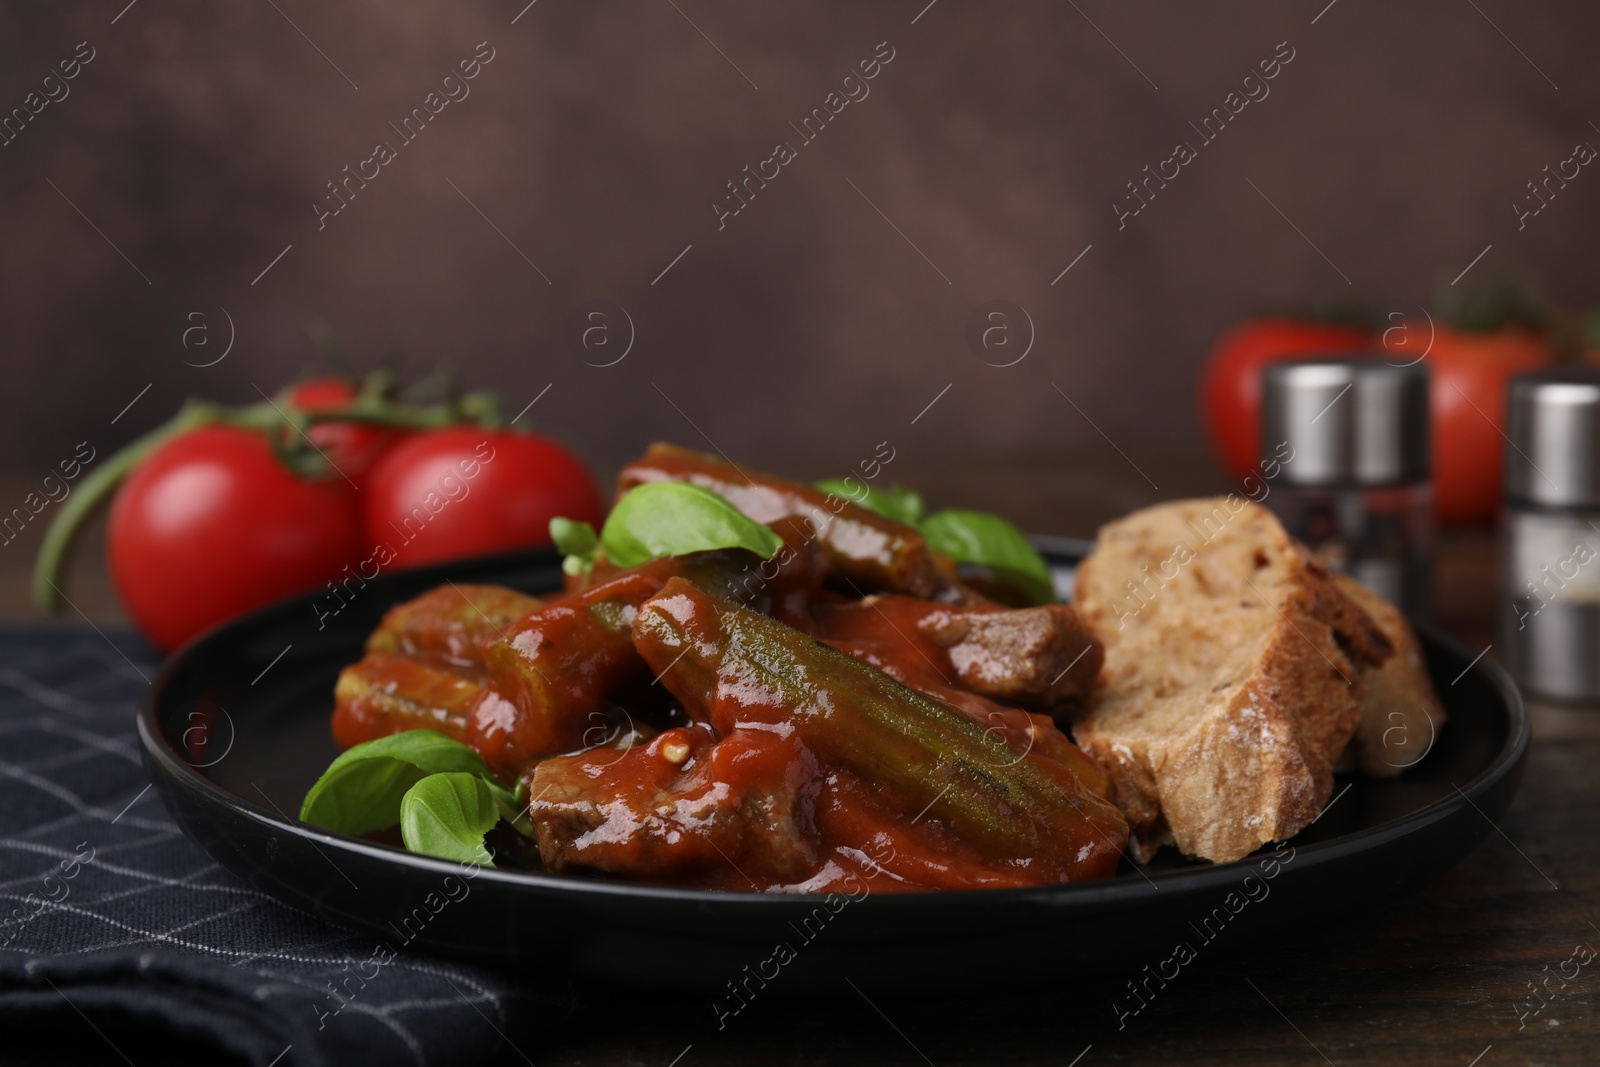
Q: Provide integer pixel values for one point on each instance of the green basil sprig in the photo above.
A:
(974, 537)
(662, 519)
(373, 785)
(990, 541)
(895, 502)
(576, 541)
(446, 815)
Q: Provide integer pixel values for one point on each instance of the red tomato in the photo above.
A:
(322, 394)
(1467, 399)
(210, 525)
(352, 447)
(467, 491)
(1230, 385)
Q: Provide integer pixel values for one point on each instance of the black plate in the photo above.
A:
(236, 730)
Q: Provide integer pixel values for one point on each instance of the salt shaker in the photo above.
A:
(1550, 572)
(1345, 451)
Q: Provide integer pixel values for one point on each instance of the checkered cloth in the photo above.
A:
(111, 919)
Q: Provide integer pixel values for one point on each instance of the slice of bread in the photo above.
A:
(1233, 675)
(1402, 715)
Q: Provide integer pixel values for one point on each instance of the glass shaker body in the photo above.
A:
(1550, 535)
(1550, 603)
(1352, 435)
(1382, 536)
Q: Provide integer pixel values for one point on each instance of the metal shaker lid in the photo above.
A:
(1553, 435)
(1355, 420)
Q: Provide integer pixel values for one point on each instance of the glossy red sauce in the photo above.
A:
(737, 801)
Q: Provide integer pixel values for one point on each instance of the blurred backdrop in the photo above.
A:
(177, 195)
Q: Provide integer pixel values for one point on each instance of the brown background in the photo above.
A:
(809, 329)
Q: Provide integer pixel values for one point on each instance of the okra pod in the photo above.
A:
(865, 548)
(741, 667)
(451, 624)
(385, 694)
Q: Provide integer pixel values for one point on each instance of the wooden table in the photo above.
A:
(1446, 975)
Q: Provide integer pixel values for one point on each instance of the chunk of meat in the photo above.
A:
(683, 806)
(1040, 657)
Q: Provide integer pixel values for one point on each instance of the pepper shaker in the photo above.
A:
(1550, 610)
(1348, 439)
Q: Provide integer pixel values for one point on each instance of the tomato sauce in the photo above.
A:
(725, 792)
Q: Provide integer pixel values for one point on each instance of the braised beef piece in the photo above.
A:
(669, 809)
(1037, 657)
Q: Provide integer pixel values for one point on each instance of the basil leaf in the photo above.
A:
(577, 543)
(896, 502)
(675, 518)
(361, 791)
(992, 542)
(446, 815)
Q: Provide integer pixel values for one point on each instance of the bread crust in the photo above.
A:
(1232, 678)
(1402, 714)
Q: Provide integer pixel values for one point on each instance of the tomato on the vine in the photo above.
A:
(223, 509)
(465, 490)
(210, 524)
(1230, 385)
(352, 448)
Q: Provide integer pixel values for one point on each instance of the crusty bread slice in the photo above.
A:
(1232, 676)
(1401, 716)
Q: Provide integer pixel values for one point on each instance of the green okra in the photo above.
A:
(938, 762)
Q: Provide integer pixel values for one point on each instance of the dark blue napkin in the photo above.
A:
(121, 940)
